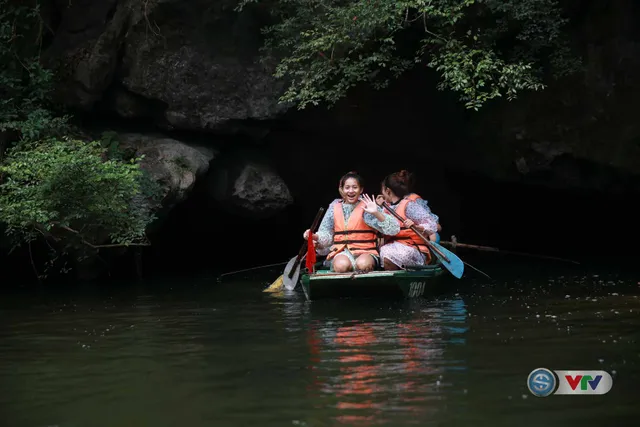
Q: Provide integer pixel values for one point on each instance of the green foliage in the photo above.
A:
(68, 192)
(25, 85)
(151, 192)
(478, 75)
(109, 141)
(482, 49)
(150, 189)
(75, 195)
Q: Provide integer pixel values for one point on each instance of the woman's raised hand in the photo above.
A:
(369, 204)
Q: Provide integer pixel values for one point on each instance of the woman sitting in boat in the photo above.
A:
(406, 248)
(351, 226)
(435, 237)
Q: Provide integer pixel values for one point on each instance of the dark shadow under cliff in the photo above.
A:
(198, 237)
(590, 228)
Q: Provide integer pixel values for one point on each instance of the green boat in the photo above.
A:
(410, 283)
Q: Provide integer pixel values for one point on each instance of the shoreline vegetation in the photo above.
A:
(76, 194)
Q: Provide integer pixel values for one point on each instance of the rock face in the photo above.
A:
(259, 189)
(201, 61)
(184, 65)
(84, 52)
(588, 117)
(190, 65)
(171, 163)
(194, 66)
(247, 186)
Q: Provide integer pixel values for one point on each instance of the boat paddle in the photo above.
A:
(292, 271)
(454, 244)
(447, 258)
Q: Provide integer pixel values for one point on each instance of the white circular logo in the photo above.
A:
(541, 382)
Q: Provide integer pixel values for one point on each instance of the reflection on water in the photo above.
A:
(370, 370)
(201, 354)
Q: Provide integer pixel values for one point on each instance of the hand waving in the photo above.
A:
(370, 205)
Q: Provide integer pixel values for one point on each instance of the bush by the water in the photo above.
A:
(76, 196)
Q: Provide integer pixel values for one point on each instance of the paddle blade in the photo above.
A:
(291, 282)
(276, 285)
(455, 264)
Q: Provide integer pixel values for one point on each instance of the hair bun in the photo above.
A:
(404, 176)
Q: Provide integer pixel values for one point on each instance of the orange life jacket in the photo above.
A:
(356, 235)
(406, 236)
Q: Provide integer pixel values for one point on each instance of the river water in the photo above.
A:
(199, 352)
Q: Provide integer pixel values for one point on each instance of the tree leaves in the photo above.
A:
(323, 51)
(77, 196)
(25, 85)
(65, 186)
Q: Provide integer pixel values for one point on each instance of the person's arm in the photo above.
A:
(375, 218)
(425, 205)
(324, 236)
(421, 218)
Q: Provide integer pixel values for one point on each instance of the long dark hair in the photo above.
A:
(353, 175)
(401, 183)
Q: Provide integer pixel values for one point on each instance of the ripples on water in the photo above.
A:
(204, 354)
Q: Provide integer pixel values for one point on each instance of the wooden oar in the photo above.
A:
(447, 258)
(253, 268)
(454, 243)
(292, 271)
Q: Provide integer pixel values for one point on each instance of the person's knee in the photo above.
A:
(365, 262)
(341, 264)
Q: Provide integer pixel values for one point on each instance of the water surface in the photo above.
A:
(196, 352)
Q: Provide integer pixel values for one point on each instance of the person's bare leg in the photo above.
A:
(365, 262)
(341, 264)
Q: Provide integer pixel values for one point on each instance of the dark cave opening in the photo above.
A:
(197, 236)
(515, 217)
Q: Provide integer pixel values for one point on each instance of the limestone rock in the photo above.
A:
(248, 187)
(84, 52)
(201, 59)
(173, 164)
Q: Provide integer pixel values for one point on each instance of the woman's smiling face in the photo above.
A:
(351, 190)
